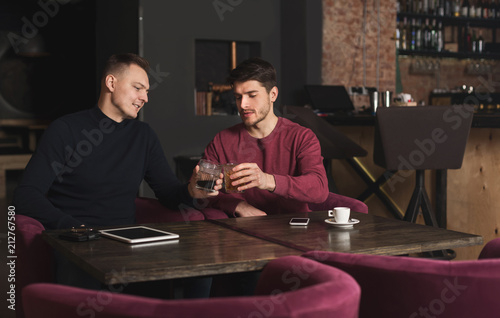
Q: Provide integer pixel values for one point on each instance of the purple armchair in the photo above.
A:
(491, 249)
(291, 286)
(397, 287)
(336, 200)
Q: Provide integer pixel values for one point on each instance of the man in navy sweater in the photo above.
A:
(88, 166)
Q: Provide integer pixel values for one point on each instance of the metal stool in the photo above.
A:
(422, 138)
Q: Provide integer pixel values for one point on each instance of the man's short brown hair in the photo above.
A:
(117, 62)
(254, 69)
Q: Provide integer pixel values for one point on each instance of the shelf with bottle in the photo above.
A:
(447, 54)
(451, 20)
(424, 34)
(454, 11)
(419, 35)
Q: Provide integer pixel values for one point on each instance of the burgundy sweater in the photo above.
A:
(291, 153)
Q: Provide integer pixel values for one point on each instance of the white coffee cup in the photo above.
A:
(342, 214)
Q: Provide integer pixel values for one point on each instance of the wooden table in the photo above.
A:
(373, 235)
(246, 244)
(203, 249)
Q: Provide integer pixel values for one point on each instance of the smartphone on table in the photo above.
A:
(299, 221)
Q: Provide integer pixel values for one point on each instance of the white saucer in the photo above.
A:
(342, 225)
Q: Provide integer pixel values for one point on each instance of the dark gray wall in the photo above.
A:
(108, 40)
(170, 30)
(301, 48)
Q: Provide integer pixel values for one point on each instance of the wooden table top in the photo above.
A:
(202, 249)
(246, 244)
(372, 235)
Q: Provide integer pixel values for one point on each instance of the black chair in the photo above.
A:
(334, 144)
(422, 138)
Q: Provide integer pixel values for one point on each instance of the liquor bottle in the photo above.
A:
(398, 34)
(418, 36)
(493, 10)
(485, 14)
(440, 39)
(413, 35)
(456, 8)
(486, 10)
(448, 10)
(432, 7)
(472, 10)
(404, 6)
(410, 7)
(479, 9)
(474, 42)
(467, 47)
(433, 36)
(464, 11)
(403, 41)
(480, 43)
(440, 7)
(486, 6)
(427, 36)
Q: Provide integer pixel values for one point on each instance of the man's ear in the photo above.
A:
(273, 94)
(110, 82)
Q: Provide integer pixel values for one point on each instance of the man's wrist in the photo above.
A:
(271, 181)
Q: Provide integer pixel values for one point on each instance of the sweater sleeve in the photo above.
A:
(167, 188)
(50, 161)
(309, 183)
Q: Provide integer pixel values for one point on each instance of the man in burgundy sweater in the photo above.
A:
(280, 162)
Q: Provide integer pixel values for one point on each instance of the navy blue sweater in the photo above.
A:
(87, 170)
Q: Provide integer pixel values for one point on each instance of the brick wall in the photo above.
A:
(452, 73)
(343, 54)
(343, 44)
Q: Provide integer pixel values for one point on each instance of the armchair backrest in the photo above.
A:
(395, 286)
(289, 287)
(149, 210)
(35, 259)
(337, 200)
(491, 249)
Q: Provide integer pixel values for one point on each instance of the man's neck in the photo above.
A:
(107, 109)
(263, 128)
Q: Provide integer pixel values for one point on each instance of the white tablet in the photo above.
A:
(138, 234)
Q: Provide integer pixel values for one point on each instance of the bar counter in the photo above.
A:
(480, 120)
(470, 197)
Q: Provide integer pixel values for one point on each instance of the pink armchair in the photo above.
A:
(333, 200)
(397, 287)
(282, 291)
(35, 259)
(491, 249)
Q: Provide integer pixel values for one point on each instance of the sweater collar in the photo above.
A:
(99, 116)
(273, 133)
